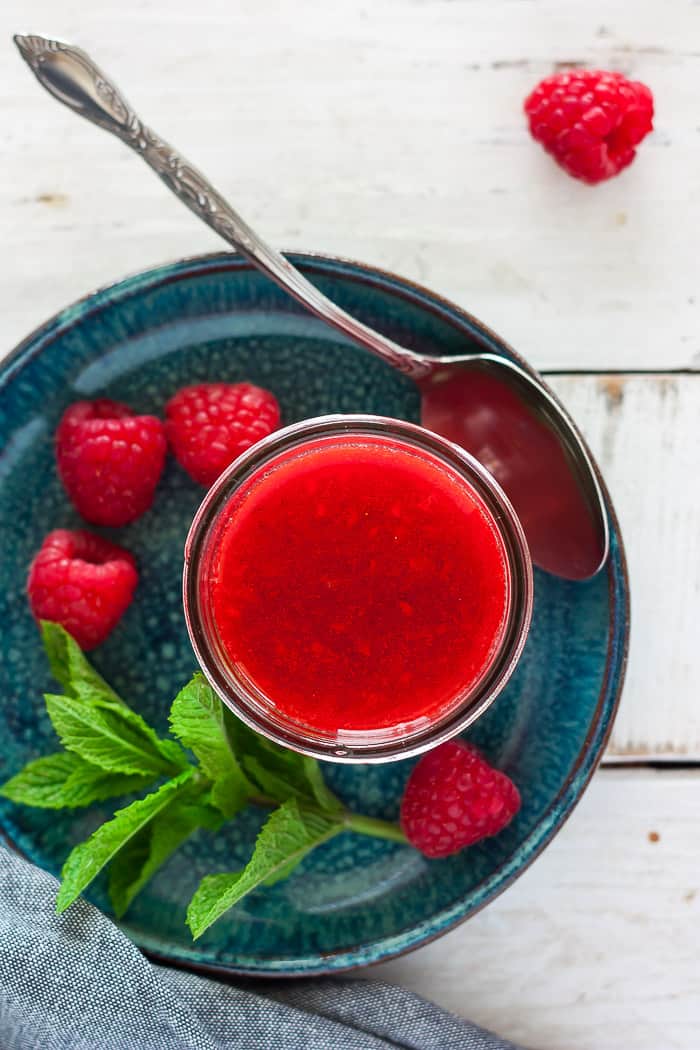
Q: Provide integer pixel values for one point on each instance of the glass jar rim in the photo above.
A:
(371, 745)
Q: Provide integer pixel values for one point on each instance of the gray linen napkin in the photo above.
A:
(75, 982)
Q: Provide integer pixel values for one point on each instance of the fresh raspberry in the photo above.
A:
(453, 798)
(109, 460)
(590, 121)
(211, 424)
(82, 582)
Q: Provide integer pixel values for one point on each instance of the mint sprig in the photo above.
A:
(215, 768)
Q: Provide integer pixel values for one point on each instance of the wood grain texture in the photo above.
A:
(391, 132)
(645, 433)
(595, 947)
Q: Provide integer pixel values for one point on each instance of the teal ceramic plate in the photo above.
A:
(355, 900)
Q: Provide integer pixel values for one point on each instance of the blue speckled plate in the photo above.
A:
(355, 900)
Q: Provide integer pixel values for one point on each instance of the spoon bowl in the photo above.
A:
(509, 422)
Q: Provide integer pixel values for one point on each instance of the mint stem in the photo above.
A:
(357, 822)
(378, 829)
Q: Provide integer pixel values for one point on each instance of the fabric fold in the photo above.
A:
(76, 982)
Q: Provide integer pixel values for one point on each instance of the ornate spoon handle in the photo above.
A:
(71, 76)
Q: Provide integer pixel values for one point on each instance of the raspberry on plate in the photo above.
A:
(454, 798)
(109, 460)
(83, 582)
(211, 424)
(590, 121)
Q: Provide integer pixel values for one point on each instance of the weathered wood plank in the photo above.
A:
(645, 432)
(390, 132)
(595, 947)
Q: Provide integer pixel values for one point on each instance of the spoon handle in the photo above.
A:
(70, 75)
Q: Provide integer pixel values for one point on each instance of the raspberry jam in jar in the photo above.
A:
(357, 588)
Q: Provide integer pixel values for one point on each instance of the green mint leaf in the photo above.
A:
(88, 784)
(66, 781)
(70, 666)
(149, 849)
(282, 774)
(270, 783)
(87, 860)
(284, 872)
(299, 778)
(113, 737)
(289, 834)
(42, 781)
(320, 790)
(81, 681)
(230, 793)
(240, 738)
(196, 719)
(169, 750)
(277, 772)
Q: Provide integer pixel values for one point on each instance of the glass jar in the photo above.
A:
(253, 704)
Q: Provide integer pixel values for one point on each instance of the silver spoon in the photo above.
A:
(486, 403)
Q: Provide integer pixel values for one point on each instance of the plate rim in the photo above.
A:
(588, 758)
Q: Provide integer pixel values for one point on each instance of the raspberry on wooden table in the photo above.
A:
(110, 460)
(590, 121)
(83, 582)
(209, 425)
(454, 798)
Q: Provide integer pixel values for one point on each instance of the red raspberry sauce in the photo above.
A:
(359, 585)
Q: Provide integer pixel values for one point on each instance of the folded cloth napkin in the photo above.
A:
(75, 982)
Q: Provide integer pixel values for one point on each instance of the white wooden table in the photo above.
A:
(391, 132)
